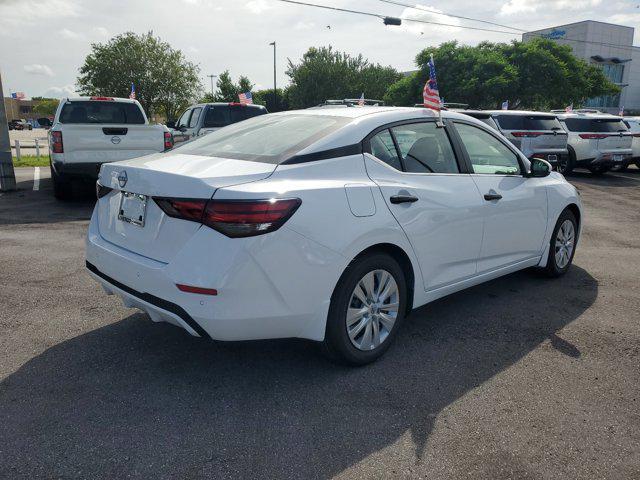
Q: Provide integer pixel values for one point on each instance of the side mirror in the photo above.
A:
(171, 124)
(539, 168)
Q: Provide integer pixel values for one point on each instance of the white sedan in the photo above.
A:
(327, 224)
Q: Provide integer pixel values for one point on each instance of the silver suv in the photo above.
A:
(597, 142)
(536, 134)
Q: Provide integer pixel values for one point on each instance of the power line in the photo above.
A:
(430, 10)
(377, 15)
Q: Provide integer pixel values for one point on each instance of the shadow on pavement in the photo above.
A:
(145, 400)
(26, 206)
(610, 179)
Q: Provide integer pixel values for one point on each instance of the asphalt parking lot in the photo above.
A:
(522, 377)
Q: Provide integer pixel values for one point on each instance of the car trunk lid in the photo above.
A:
(174, 175)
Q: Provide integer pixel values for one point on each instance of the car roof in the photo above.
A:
(519, 112)
(226, 104)
(596, 116)
(96, 98)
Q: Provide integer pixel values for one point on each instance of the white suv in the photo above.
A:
(597, 142)
(633, 124)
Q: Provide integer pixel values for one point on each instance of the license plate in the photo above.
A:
(618, 158)
(552, 158)
(133, 208)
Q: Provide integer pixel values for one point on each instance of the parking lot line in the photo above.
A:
(36, 178)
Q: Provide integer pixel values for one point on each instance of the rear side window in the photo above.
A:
(383, 148)
(101, 112)
(425, 148)
(595, 125)
(223, 115)
(528, 122)
(267, 138)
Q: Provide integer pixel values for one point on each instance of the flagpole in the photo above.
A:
(439, 123)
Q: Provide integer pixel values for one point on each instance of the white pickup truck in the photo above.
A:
(90, 131)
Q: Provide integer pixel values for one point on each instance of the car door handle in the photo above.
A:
(403, 199)
(492, 196)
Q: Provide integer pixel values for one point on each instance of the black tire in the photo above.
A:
(62, 188)
(619, 168)
(337, 345)
(569, 164)
(598, 169)
(553, 269)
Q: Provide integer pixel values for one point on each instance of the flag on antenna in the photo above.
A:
(430, 93)
(361, 100)
(505, 105)
(132, 95)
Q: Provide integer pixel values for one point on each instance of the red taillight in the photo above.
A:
(199, 290)
(102, 99)
(168, 141)
(185, 208)
(246, 218)
(593, 136)
(56, 142)
(233, 218)
(527, 134)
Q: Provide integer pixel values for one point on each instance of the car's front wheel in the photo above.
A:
(367, 308)
(563, 244)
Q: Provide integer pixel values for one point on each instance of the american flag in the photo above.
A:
(569, 108)
(361, 100)
(430, 94)
(621, 111)
(246, 98)
(132, 95)
(18, 95)
(505, 105)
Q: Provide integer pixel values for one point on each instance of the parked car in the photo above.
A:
(633, 124)
(320, 224)
(205, 118)
(88, 132)
(596, 142)
(21, 124)
(536, 134)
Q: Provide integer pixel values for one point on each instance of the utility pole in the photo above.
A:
(7, 175)
(212, 77)
(275, 90)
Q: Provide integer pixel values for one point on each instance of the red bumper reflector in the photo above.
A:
(199, 290)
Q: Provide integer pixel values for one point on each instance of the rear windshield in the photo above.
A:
(223, 115)
(267, 138)
(528, 122)
(101, 112)
(595, 125)
(483, 117)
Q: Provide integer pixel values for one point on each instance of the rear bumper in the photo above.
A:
(611, 159)
(553, 157)
(88, 171)
(258, 296)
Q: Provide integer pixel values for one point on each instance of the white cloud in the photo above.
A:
(257, 6)
(26, 12)
(38, 69)
(302, 25)
(70, 34)
(434, 15)
(58, 92)
(103, 32)
(530, 6)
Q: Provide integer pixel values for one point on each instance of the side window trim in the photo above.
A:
(467, 159)
(454, 140)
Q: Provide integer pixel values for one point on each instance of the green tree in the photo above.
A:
(323, 74)
(45, 106)
(265, 97)
(539, 74)
(165, 81)
(227, 90)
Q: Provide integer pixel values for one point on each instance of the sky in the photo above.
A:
(43, 43)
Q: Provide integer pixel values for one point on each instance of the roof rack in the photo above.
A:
(352, 102)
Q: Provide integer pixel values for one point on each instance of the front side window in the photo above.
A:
(425, 148)
(195, 116)
(183, 121)
(383, 148)
(486, 153)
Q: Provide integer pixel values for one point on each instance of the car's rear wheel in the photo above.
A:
(598, 169)
(567, 163)
(367, 308)
(62, 188)
(563, 244)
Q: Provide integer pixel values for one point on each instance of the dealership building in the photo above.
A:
(608, 46)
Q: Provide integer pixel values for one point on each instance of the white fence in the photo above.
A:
(38, 147)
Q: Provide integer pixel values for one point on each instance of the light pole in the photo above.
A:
(7, 175)
(212, 77)
(275, 90)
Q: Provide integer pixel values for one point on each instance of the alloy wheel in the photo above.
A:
(565, 242)
(373, 310)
